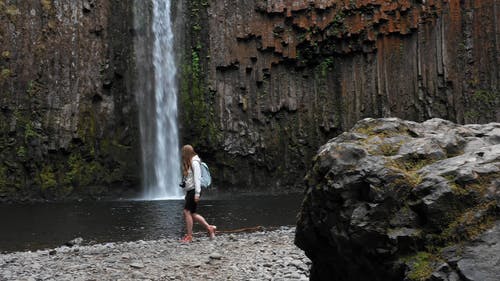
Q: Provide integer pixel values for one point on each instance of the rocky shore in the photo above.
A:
(263, 255)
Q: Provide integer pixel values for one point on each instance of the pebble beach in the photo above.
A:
(261, 255)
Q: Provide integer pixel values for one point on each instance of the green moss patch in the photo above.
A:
(6, 55)
(421, 265)
(12, 10)
(470, 224)
(408, 170)
(48, 179)
(5, 73)
(413, 164)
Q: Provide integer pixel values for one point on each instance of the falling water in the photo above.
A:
(156, 91)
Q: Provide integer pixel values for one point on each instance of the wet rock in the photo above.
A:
(74, 242)
(411, 212)
(444, 273)
(480, 260)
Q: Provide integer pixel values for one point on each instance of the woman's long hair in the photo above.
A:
(187, 154)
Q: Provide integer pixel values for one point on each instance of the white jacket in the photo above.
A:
(193, 179)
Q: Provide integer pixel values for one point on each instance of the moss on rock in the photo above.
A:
(421, 265)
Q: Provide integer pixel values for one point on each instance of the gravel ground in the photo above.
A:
(264, 255)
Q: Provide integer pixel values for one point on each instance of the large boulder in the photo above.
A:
(400, 200)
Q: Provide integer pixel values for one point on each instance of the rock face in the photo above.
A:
(263, 83)
(266, 82)
(67, 114)
(399, 200)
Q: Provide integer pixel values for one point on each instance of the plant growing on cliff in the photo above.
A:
(5, 73)
(83, 172)
(6, 55)
(484, 104)
(421, 265)
(325, 66)
(47, 178)
(12, 11)
(336, 27)
(3, 180)
(29, 132)
(46, 5)
(196, 99)
(34, 87)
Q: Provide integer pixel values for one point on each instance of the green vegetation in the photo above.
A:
(12, 10)
(483, 96)
(389, 149)
(325, 66)
(462, 223)
(82, 172)
(409, 170)
(29, 133)
(478, 186)
(483, 106)
(56, 175)
(48, 179)
(46, 5)
(34, 162)
(5, 73)
(3, 179)
(373, 130)
(470, 224)
(336, 27)
(414, 164)
(33, 88)
(21, 152)
(473, 221)
(421, 265)
(196, 100)
(332, 101)
(471, 115)
(6, 55)
(455, 188)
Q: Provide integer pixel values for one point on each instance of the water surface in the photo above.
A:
(46, 225)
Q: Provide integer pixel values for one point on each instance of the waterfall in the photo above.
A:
(156, 92)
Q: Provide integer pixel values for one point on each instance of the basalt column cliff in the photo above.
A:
(67, 112)
(264, 83)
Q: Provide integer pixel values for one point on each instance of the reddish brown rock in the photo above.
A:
(284, 76)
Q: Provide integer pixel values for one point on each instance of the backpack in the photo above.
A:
(206, 179)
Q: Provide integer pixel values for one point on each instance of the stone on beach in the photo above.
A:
(228, 257)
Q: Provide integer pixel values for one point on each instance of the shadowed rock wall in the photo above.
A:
(275, 79)
(68, 116)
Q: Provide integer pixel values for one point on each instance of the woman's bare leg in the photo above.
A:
(189, 222)
(201, 220)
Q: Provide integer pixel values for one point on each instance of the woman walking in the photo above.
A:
(191, 172)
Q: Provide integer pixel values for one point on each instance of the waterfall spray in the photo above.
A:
(156, 92)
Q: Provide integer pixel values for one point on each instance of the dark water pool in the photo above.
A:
(45, 225)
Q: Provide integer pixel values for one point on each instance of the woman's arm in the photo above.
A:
(197, 177)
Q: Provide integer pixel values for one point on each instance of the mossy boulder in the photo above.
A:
(400, 200)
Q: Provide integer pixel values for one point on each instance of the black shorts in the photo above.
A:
(190, 205)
